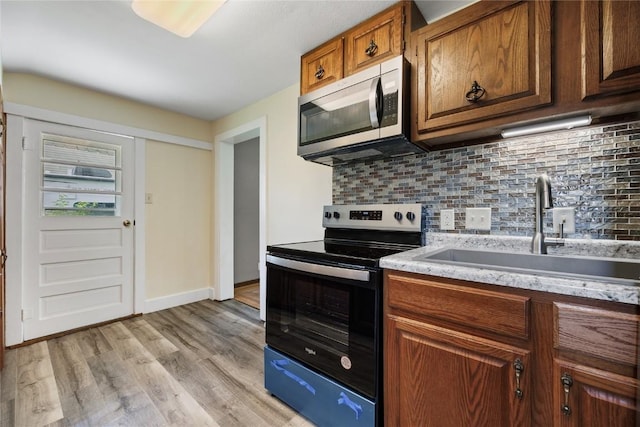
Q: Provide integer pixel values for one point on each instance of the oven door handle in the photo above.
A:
(324, 270)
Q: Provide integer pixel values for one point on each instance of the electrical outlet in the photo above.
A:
(478, 219)
(566, 217)
(447, 219)
(148, 198)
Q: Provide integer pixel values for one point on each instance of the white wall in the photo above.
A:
(27, 89)
(296, 189)
(178, 221)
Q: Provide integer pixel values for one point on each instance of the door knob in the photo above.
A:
(126, 223)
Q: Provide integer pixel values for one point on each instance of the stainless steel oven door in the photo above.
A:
(328, 317)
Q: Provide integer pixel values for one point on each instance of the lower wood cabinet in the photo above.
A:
(562, 361)
(586, 393)
(440, 377)
(586, 396)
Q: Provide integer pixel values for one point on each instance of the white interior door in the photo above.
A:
(78, 233)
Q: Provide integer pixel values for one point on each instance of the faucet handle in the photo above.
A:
(556, 241)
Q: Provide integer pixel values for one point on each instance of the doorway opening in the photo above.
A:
(246, 215)
(224, 209)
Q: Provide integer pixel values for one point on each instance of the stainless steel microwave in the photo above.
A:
(363, 116)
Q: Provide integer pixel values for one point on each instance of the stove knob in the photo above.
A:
(398, 216)
(327, 215)
(411, 216)
(336, 215)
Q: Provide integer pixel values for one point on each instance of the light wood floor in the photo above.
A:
(195, 365)
(248, 294)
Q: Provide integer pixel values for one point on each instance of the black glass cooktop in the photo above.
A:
(360, 253)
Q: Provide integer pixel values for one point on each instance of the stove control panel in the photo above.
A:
(397, 217)
(365, 215)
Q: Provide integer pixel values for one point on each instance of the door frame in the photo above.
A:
(222, 272)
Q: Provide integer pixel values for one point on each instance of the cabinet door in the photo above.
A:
(374, 41)
(502, 47)
(610, 36)
(439, 377)
(321, 66)
(587, 397)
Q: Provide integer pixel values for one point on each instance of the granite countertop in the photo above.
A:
(596, 289)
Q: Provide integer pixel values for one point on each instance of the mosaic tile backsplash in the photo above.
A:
(595, 170)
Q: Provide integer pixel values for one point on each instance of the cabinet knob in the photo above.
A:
(320, 73)
(372, 49)
(475, 93)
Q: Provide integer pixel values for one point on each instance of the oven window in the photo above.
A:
(337, 317)
(319, 313)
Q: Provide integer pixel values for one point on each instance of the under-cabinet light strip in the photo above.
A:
(569, 123)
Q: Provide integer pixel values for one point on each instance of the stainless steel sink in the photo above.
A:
(615, 270)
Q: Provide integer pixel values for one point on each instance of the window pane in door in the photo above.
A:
(80, 177)
(79, 204)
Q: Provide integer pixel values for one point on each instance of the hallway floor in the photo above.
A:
(248, 294)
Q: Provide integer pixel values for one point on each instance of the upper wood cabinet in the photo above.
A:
(373, 41)
(322, 66)
(610, 40)
(521, 62)
(490, 59)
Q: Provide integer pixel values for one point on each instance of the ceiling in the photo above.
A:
(247, 51)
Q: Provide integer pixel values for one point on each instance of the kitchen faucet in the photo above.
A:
(543, 201)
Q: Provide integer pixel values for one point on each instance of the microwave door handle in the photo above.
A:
(375, 106)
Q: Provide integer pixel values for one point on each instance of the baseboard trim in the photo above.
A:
(71, 331)
(245, 283)
(169, 301)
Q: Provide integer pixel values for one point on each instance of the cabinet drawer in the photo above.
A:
(497, 312)
(597, 332)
